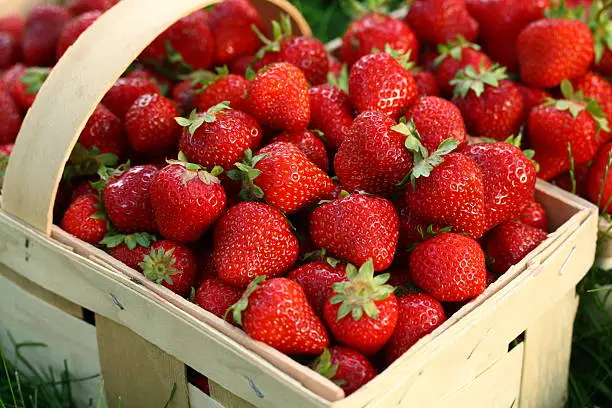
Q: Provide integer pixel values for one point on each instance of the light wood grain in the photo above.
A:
(226, 398)
(197, 399)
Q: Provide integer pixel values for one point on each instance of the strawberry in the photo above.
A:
(85, 187)
(217, 296)
(501, 22)
(532, 97)
(219, 136)
(534, 215)
(454, 56)
(183, 95)
(241, 65)
(441, 20)
(374, 157)
(250, 240)
(599, 89)
(43, 28)
(105, 131)
(347, 368)
(10, 119)
(362, 312)
(550, 50)
(599, 179)
(129, 249)
(13, 25)
(284, 177)
(600, 23)
(293, 329)
(127, 200)
(26, 87)
(10, 76)
(412, 229)
(150, 125)
(419, 314)
(449, 267)
(509, 179)
(74, 29)
(426, 83)
(491, 105)
(331, 113)
(311, 145)
(279, 97)
(232, 22)
(374, 31)
(437, 119)
(186, 200)
(5, 153)
(574, 121)
(400, 278)
(84, 220)
(9, 50)
(171, 265)
(316, 279)
(510, 242)
(223, 87)
(382, 82)
(76, 7)
(201, 382)
(306, 53)
(163, 83)
(206, 262)
(335, 66)
(122, 95)
(357, 228)
(187, 45)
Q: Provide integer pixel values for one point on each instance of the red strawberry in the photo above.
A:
(150, 125)
(206, 262)
(187, 44)
(454, 56)
(426, 83)
(84, 220)
(104, 131)
(217, 297)
(335, 66)
(441, 20)
(362, 313)
(292, 329)
(437, 119)
(5, 153)
(600, 21)
(532, 97)
(219, 136)
(127, 200)
(347, 368)
(129, 249)
(534, 215)
(186, 200)
(44, 26)
(357, 228)
(604, 66)
(74, 29)
(551, 50)
(380, 82)
(224, 87)
(374, 157)
(201, 382)
(279, 97)
(316, 278)
(231, 22)
(122, 95)
(412, 229)
(510, 242)
(253, 239)
(599, 89)
(183, 95)
(572, 121)
(26, 87)
(84, 187)
(241, 65)
(400, 278)
(312, 147)
(9, 50)
(509, 179)
(10, 119)
(14, 25)
(374, 31)
(449, 267)
(599, 181)
(163, 83)
(419, 314)
(171, 265)
(331, 113)
(284, 177)
(10, 76)
(491, 105)
(76, 7)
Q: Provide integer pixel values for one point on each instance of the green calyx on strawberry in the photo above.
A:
(468, 79)
(195, 120)
(114, 239)
(529, 153)
(358, 294)
(87, 162)
(454, 49)
(402, 58)
(423, 161)
(106, 173)
(321, 255)
(429, 232)
(237, 308)
(193, 170)
(340, 81)
(247, 173)
(280, 30)
(324, 366)
(204, 78)
(34, 78)
(576, 102)
(356, 9)
(158, 266)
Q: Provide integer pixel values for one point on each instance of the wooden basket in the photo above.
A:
(509, 346)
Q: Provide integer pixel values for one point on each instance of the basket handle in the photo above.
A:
(78, 83)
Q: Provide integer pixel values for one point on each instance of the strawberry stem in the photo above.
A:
(158, 266)
(237, 308)
(454, 49)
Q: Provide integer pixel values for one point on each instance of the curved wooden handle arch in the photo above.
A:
(75, 87)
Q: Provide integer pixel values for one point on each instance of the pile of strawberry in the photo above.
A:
(332, 208)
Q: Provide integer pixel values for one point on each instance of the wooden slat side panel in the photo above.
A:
(197, 399)
(226, 398)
